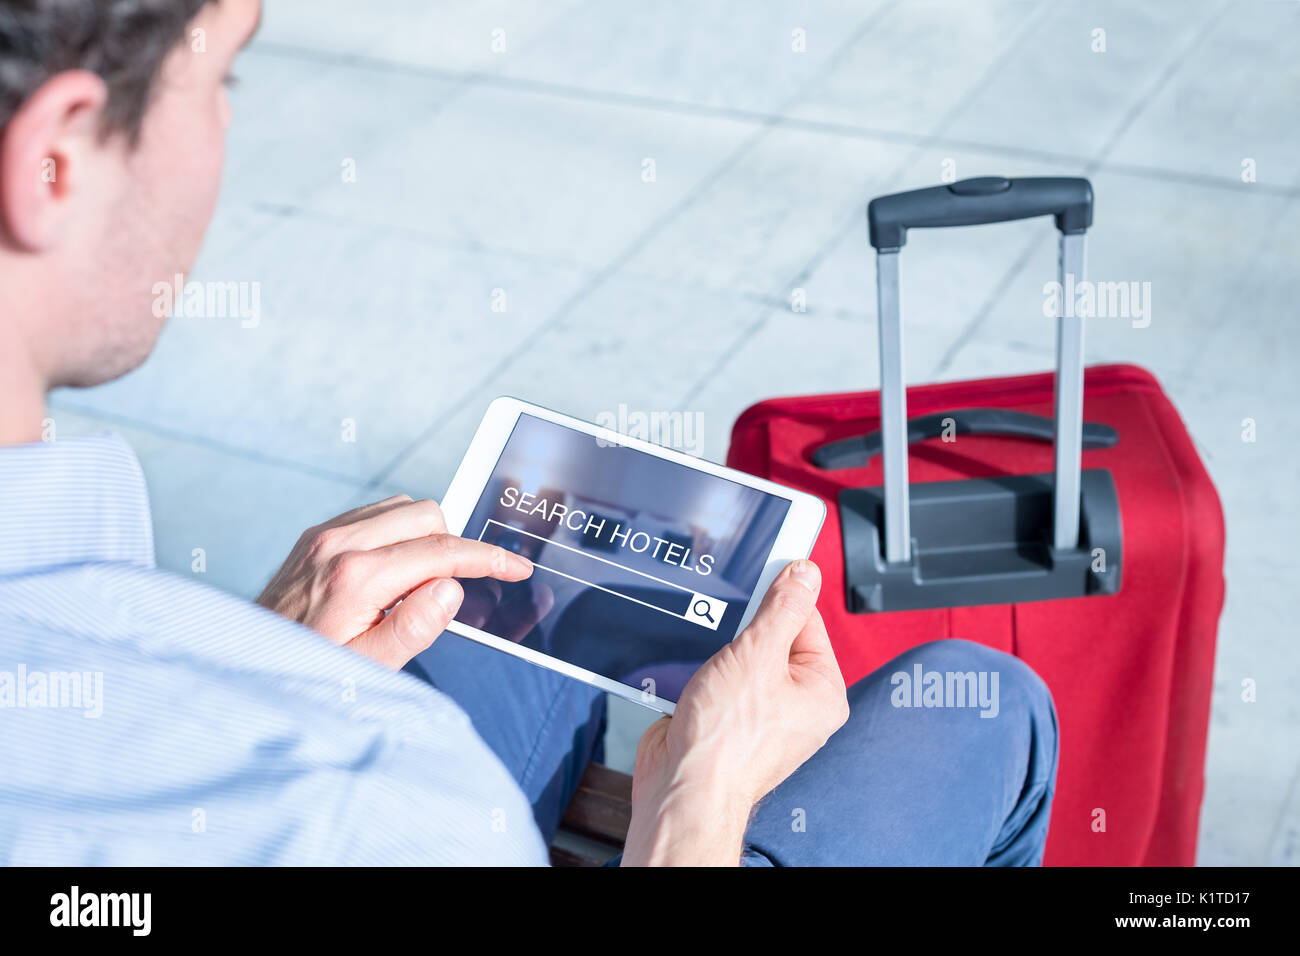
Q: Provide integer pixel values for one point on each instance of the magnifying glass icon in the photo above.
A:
(703, 613)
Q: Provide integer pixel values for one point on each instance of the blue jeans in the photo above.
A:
(897, 785)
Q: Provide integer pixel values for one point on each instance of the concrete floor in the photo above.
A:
(503, 145)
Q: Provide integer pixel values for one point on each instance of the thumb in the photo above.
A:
(786, 609)
(412, 626)
(812, 652)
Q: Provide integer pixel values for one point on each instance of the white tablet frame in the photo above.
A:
(794, 540)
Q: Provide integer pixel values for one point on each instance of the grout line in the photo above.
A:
(1244, 281)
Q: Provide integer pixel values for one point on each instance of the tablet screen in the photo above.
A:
(644, 567)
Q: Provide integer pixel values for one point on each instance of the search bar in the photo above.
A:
(611, 577)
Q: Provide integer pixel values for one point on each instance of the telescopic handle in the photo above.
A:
(972, 202)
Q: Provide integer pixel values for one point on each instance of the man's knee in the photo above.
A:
(1000, 683)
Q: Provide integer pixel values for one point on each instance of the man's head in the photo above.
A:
(113, 116)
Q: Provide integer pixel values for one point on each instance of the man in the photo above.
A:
(147, 719)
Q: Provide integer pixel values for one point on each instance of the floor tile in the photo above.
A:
(1053, 93)
(1256, 342)
(632, 343)
(456, 35)
(1190, 243)
(301, 125)
(1253, 748)
(916, 64)
(800, 354)
(737, 54)
(1232, 99)
(536, 175)
(1285, 850)
(770, 213)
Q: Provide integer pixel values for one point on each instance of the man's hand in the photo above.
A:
(345, 574)
(748, 719)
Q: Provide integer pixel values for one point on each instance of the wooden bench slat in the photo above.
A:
(568, 858)
(601, 809)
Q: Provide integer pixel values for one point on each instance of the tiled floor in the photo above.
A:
(502, 147)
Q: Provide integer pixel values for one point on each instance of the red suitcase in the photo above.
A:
(1106, 579)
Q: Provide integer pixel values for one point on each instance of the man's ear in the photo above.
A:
(45, 151)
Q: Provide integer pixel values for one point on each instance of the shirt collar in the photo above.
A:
(73, 501)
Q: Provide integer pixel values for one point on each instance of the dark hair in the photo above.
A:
(124, 41)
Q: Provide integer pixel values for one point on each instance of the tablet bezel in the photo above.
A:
(794, 540)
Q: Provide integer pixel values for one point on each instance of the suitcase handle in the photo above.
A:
(987, 199)
(857, 451)
(977, 201)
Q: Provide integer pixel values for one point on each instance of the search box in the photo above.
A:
(617, 579)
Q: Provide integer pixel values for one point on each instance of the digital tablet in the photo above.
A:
(647, 560)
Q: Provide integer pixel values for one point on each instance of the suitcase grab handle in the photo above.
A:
(973, 202)
(858, 450)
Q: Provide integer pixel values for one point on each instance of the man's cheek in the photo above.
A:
(224, 111)
(197, 185)
(210, 160)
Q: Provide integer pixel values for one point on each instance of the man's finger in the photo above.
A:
(386, 573)
(339, 534)
(786, 608)
(365, 511)
(401, 521)
(412, 626)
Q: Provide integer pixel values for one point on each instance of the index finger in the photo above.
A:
(398, 568)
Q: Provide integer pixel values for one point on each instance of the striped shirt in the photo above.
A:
(147, 719)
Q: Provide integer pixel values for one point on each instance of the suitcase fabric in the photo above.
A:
(1131, 672)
